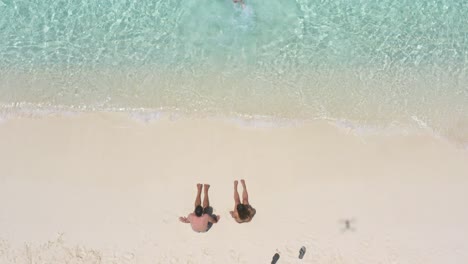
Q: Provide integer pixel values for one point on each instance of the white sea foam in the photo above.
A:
(414, 125)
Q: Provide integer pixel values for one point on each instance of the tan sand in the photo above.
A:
(103, 188)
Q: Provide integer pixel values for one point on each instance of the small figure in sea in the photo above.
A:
(347, 225)
(243, 212)
(241, 2)
(202, 219)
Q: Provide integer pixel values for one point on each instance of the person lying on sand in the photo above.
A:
(243, 212)
(202, 218)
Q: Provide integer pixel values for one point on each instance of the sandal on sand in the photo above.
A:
(302, 252)
(275, 258)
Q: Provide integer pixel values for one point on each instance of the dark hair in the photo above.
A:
(242, 211)
(198, 210)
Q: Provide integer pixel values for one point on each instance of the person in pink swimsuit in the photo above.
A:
(202, 219)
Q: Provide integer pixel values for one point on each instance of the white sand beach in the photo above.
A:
(105, 188)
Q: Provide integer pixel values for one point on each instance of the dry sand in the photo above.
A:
(103, 188)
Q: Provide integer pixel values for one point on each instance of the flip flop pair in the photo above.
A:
(276, 257)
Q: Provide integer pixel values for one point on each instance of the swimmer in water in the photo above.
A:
(241, 2)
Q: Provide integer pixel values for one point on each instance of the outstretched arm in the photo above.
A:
(184, 220)
(215, 218)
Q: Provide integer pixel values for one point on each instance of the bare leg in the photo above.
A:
(236, 194)
(198, 199)
(206, 199)
(236, 200)
(245, 194)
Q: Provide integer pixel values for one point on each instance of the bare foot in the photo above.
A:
(243, 182)
(206, 186)
(235, 184)
(199, 186)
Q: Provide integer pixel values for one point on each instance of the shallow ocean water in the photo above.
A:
(367, 63)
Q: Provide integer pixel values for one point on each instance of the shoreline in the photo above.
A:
(412, 126)
(104, 186)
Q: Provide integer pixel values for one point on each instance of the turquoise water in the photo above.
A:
(373, 63)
